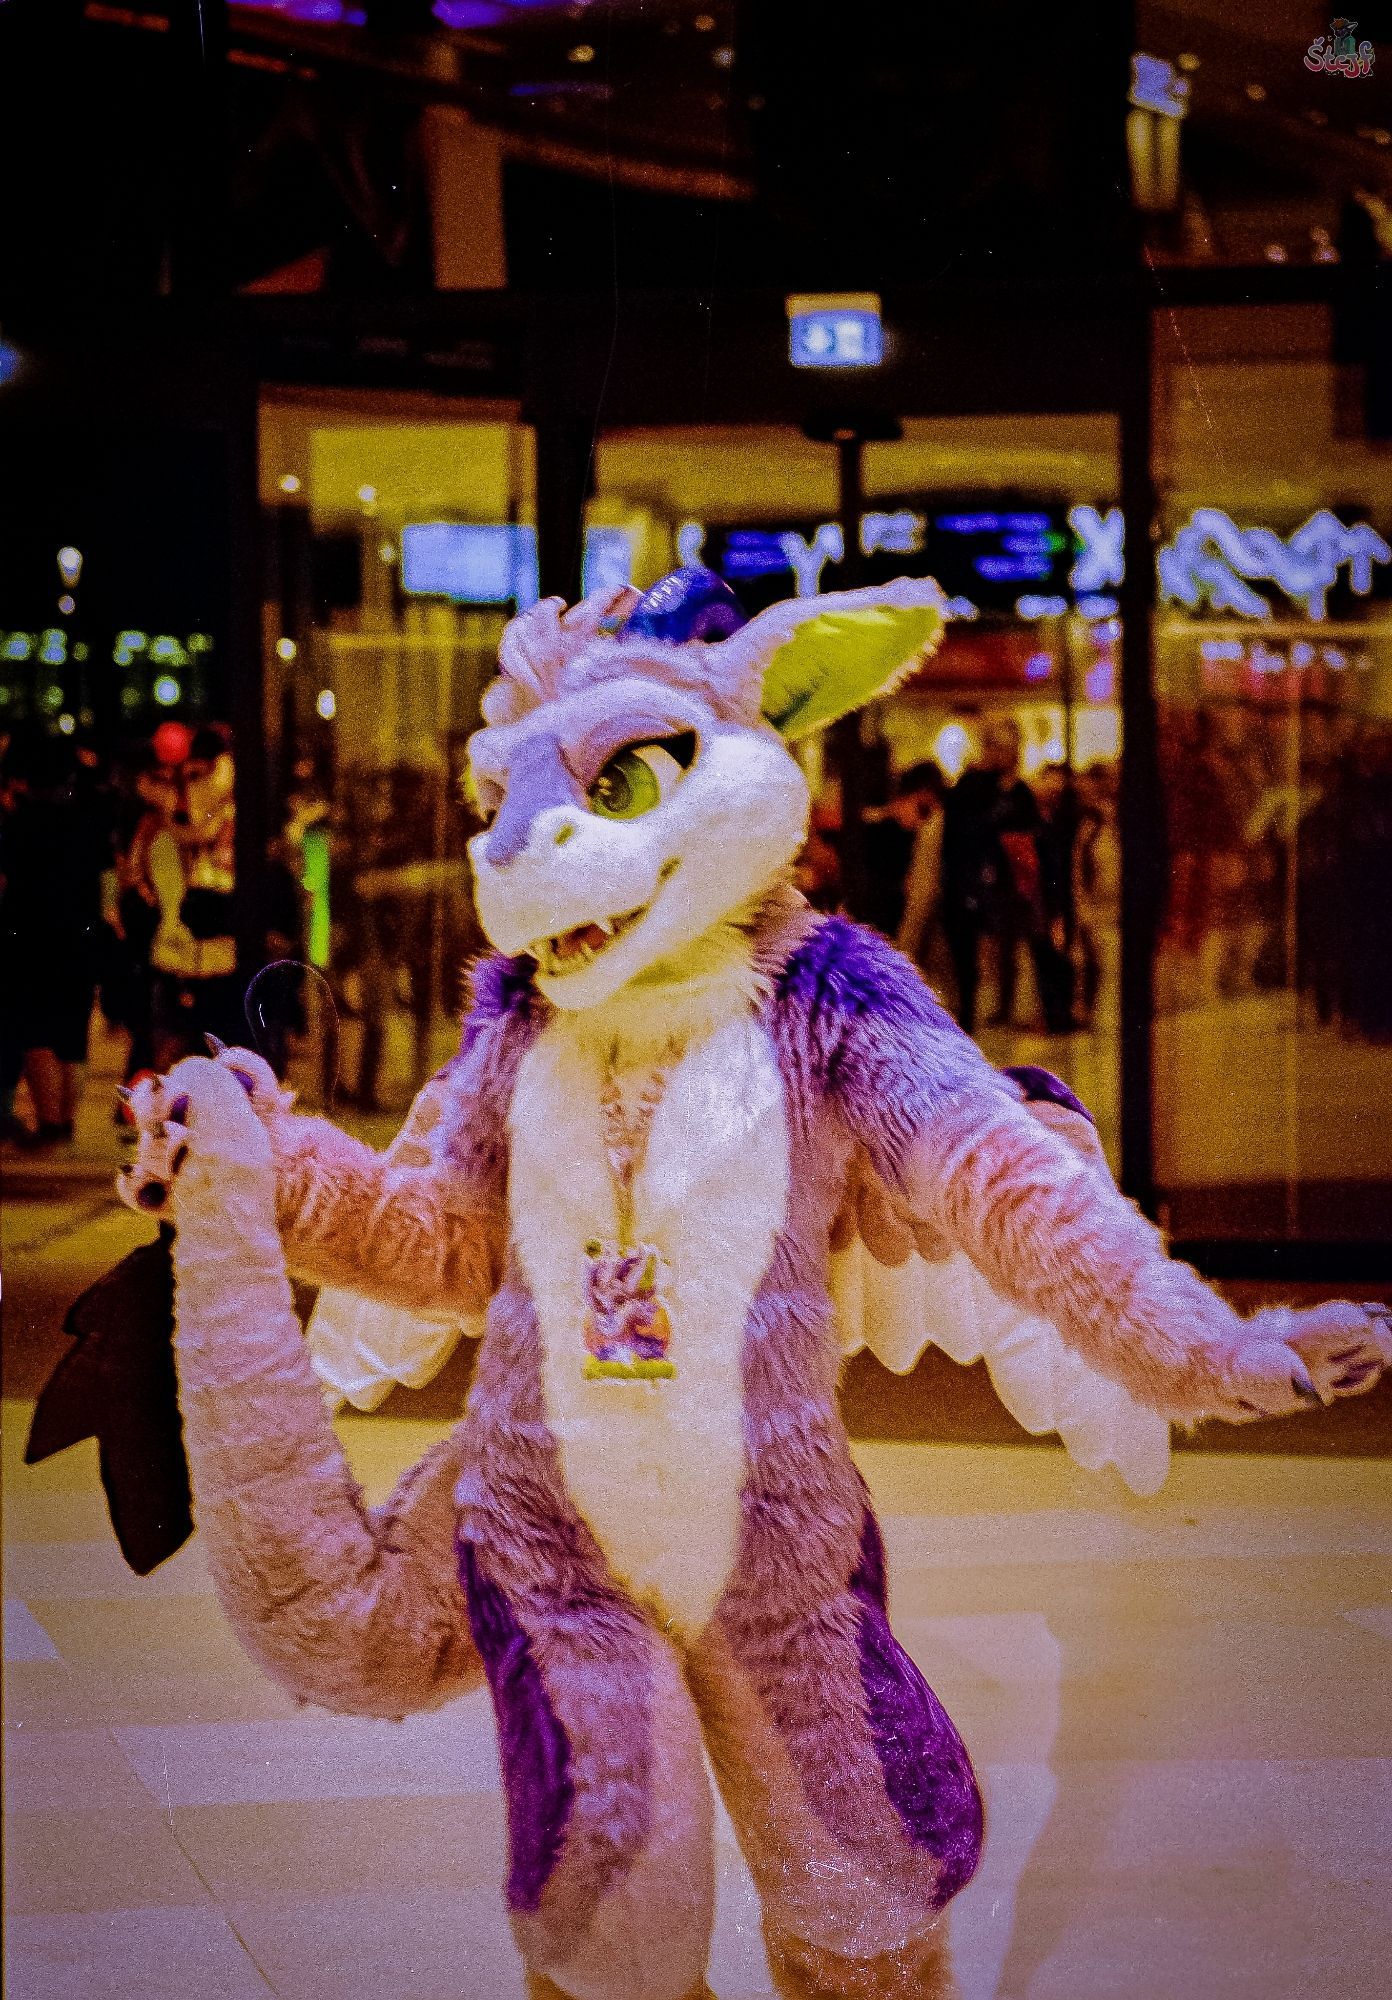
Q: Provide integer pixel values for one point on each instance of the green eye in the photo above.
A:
(634, 781)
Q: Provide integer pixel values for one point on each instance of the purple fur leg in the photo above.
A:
(927, 1771)
(533, 1748)
(611, 1883)
(609, 1811)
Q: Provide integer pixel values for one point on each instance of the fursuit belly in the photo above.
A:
(655, 1467)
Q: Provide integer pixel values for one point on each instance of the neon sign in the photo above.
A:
(1212, 559)
(899, 534)
(1209, 561)
(753, 552)
(992, 524)
(1157, 86)
(329, 12)
(807, 559)
(1101, 563)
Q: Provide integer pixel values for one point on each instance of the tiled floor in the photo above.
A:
(1181, 1709)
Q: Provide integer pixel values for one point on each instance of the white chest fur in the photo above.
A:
(655, 1467)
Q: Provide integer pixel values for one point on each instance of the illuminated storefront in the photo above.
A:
(1225, 704)
(1269, 625)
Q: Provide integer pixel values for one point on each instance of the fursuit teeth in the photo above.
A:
(575, 949)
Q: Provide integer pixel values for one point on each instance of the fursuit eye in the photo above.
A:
(634, 781)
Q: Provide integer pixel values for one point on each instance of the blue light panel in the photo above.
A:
(474, 563)
(834, 331)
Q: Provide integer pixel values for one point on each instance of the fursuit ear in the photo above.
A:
(820, 658)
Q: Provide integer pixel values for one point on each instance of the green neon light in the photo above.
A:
(315, 882)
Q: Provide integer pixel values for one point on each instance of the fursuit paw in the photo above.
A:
(256, 1077)
(1322, 1354)
(1345, 1347)
(199, 1128)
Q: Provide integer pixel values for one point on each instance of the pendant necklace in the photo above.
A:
(628, 1322)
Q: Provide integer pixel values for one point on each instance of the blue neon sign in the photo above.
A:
(753, 552)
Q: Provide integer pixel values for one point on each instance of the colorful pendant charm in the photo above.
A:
(628, 1329)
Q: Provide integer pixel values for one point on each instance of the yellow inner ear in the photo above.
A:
(837, 662)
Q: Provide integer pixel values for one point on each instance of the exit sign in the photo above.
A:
(835, 330)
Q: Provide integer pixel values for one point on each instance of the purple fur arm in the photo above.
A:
(388, 1226)
(1056, 1237)
(975, 1166)
(422, 1224)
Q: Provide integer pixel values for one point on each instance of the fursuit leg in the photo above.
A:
(611, 1881)
(539, 1987)
(851, 1792)
(918, 1969)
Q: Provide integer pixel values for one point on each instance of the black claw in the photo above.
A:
(152, 1195)
(1304, 1387)
(178, 1160)
(248, 1083)
(179, 1111)
(1353, 1377)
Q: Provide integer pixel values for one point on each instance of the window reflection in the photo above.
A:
(1274, 678)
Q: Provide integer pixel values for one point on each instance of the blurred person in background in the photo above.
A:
(388, 841)
(988, 856)
(55, 846)
(1321, 880)
(193, 955)
(817, 871)
(918, 925)
(1367, 900)
(1235, 771)
(373, 841)
(1097, 897)
(1260, 950)
(1206, 815)
(891, 842)
(145, 807)
(1054, 914)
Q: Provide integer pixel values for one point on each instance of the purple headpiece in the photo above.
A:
(689, 603)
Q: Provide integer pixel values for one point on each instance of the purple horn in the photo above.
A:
(690, 603)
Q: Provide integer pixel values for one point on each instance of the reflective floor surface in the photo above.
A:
(1180, 1707)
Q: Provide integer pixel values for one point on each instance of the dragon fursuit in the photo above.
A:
(697, 1143)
